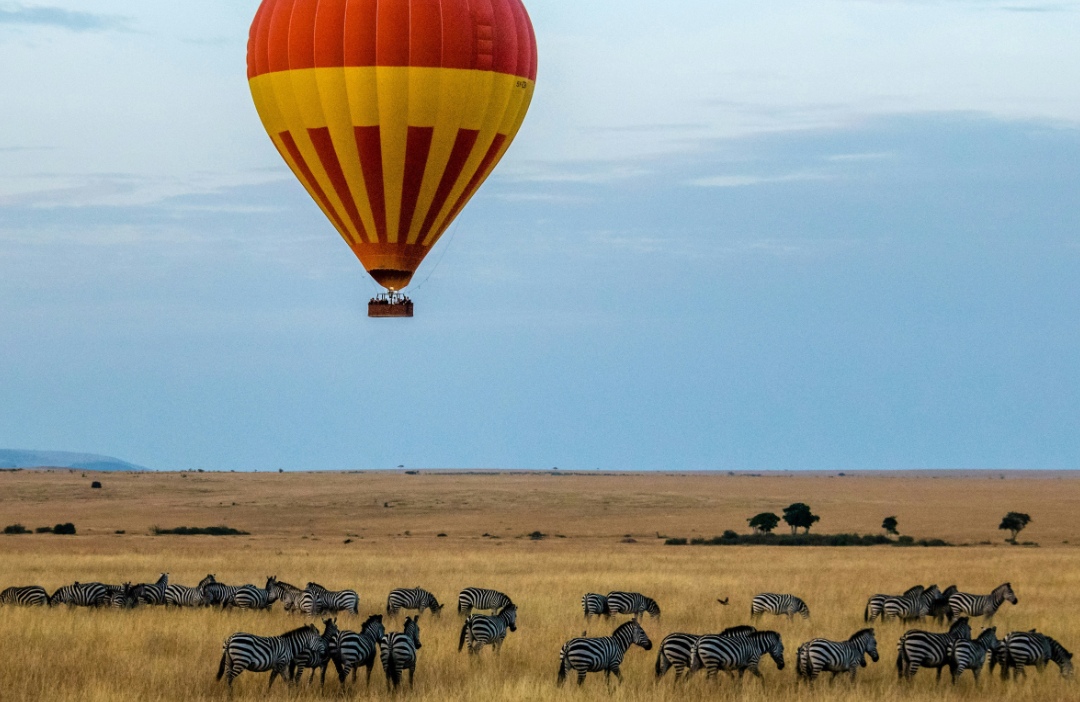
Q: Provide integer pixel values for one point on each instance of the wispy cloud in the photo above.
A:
(742, 181)
(60, 18)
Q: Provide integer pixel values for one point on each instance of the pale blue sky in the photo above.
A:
(732, 235)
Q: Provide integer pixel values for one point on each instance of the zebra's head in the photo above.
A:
(207, 580)
(651, 607)
(435, 607)
(988, 638)
(960, 629)
(509, 615)
(931, 593)
(412, 630)
(373, 626)
(867, 643)
(1006, 592)
(1063, 658)
(803, 610)
(632, 633)
(775, 646)
(330, 629)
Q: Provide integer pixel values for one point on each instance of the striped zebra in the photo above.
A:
(1025, 648)
(123, 597)
(411, 598)
(965, 654)
(152, 593)
(482, 630)
(633, 603)
(397, 650)
(251, 597)
(911, 608)
(278, 654)
(218, 594)
(875, 606)
(820, 655)
(585, 655)
(288, 595)
(961, 603)
(741, 652)
(352, 651)
(25, 596)
(595, 605)
(183, 596)
(676, 650)
(939, 610)
(924, 649)
(480, 598)
(81, 595)
(789, 605)
(316, 599)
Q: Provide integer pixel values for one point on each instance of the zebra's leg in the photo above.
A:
(581, 677)
(937, 680)
(412, 672)
(618, 674)
(370, 666)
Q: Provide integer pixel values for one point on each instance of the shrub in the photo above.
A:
(16, 529)
(198, 531)
(95, 485)
(675, 542)
(537, 535)
(43, 530)
(67, 528)
(906, 540)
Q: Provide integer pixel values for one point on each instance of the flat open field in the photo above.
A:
(299, 524)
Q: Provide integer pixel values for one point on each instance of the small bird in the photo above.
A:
(723, 601)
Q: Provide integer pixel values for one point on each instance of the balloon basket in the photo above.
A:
(390, 305)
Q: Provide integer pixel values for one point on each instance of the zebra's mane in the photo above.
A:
(861, 633)
(626, 626)
(959, 625)
(370, 622)
(1060, 653)
(741, 629)
(299, 630)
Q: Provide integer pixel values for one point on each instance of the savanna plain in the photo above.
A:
(375, 531)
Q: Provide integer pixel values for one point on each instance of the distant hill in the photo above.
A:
(10, 458)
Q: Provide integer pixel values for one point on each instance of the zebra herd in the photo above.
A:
(737, 649)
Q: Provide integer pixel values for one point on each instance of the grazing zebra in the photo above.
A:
(924, 649)
(152, 593)
(875, 606)
(352, 650)
(481, 630)
(251, 597)
(585, 655)
(397, 650)
(739, 652)
(479, 598)
(675, 651)
(632, 603)
(81, 595)
(316, 599)
(288, 595)
(908, 609)
(259, 654)
(965, 654)
(123, 597)
(595, 605)
(961, 603)
(183, 596)
(411, 598)
(939, 609)
(25, 596)
(820, 655)
(778, 604)
(1023, 648)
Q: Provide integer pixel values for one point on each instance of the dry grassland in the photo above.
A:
(299, 524)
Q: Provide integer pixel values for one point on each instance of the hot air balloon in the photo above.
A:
(392, 113)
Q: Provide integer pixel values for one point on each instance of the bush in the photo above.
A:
(675, 542)
(537, 535)
(95, 485)
(67, 528)
(16, 529)
(198, 531)
(730, 538)
(43, 530)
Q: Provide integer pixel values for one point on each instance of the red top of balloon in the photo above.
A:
(486, 35)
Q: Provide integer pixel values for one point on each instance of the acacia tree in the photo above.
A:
(1014, 522)
(799, 515)
(889, 525)
(764, 523)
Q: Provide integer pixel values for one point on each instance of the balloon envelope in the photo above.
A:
(392, 113)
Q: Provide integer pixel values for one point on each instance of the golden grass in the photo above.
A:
(299, 523)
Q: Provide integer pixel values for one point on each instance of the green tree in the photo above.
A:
(1014, 522)
(799, 515)
(889, 525)
(764, 523)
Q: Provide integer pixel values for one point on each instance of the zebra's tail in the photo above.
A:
(662, 663)
(866, 613)
(224, 659)
(392, 670)
(562, 665)
(464, 632)
(900, 659)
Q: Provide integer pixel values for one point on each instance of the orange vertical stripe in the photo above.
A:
(324, 146)
(369, 148)
(463, 146)
(416, 156)
(309, 179)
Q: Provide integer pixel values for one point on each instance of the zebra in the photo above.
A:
(592, 655)
(25, 596)
(939, 609)
(183, 596)
(317, 654)
(153, 593)
(316, 599)
(411, 598)
(481, 630)
(351, 650)
(123, 597)
(778, 604)
(819, 655)
(740, 652)
(479, 598)
(676, 650)
(632, 603)
(924, 649)
(910, 608)
(961, 603)
(81, 595)
(251, 597)
(288, 595)
(876, 604)
(218, 594)
(965, 654)
(595, 605)
(397, 650)
(259, 654)
(1024, 648)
